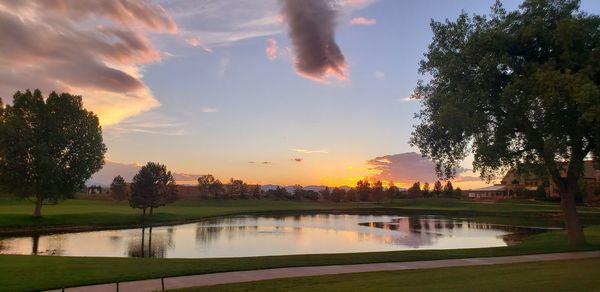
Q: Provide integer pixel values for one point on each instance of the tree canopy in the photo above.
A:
(119, 190)
(153, 186)
(514, 88)
(48, 147)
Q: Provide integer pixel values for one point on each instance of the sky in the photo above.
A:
(268, 91)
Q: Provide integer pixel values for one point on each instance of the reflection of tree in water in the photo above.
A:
(54, 245)
(419, 231)
(208, 234)
(146, 246)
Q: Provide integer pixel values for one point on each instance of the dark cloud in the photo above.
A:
(297, 159)
(407, 168)
(85, 47)
(312, 31)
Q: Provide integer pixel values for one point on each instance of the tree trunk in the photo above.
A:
(574, 228)
(37, 212)
(143, 211)
(151, 210)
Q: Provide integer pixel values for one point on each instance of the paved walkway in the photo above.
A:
(267, 274)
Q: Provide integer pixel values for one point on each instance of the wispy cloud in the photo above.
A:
(297, 160)
(272, 49)
(379, 75)
(363, 21)
(308, 151)
(197, 42)
(147, 123)
(209, 110)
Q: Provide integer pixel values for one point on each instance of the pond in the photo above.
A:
(242, 236)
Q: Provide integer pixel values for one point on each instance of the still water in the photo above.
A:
(242, 236)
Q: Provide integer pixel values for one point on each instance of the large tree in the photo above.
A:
(515, 89)
(153, 186)
(48, 147)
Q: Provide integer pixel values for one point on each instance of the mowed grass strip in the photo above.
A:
(46, 272)
(572, 275)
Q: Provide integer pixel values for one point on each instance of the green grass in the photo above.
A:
(15, 215)
(45, 272)
(573, 275)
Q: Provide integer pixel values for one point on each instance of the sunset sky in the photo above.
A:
(240, 88)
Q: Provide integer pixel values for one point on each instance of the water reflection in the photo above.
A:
(273, 235)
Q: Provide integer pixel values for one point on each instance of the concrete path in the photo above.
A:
(267, 274)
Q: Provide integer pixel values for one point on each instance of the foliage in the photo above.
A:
(153, 186)
(119, 190)
(48, 147)
(518, 88)
(210, 187)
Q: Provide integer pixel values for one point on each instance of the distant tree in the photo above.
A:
(414, 191)
(153, 186)
(119, 190)
(377, 193)
(298, 191)
(351, 195)
(392, 191)
(338, 195)
(426, 189)
(254, 191)
(458, 193)
(515, 89)
(437, 188)
(325, 194)
(363, 190)
(448, 189)
(209, 186)
(48, 147)
(278, 193)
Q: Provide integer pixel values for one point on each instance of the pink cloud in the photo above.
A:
(92, 48)
(363, 21)
(197, 42)
(272, 49)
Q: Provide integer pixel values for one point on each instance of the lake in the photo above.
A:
(241, 236)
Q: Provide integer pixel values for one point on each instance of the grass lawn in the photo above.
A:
(574, 275)
(15, 215)
(45, 272)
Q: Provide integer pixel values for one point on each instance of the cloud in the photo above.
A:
(307, 151)
(363, 21)
(197, 42)
(297, 160)
(272, 49)
(261, 162)
(147, 123)
(91, 48)
(209, 110)
(357, 3)
(223, 65)
(222, 23)
(379, 75)
(407, 168)
(311, 28)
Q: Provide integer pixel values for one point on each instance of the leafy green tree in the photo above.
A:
(514, 89)
(119, 190)
(153, 186)
(48, 147)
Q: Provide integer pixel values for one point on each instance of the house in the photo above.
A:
(495, 192)
(515, 184)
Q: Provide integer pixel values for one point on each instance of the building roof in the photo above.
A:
(493, 188)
